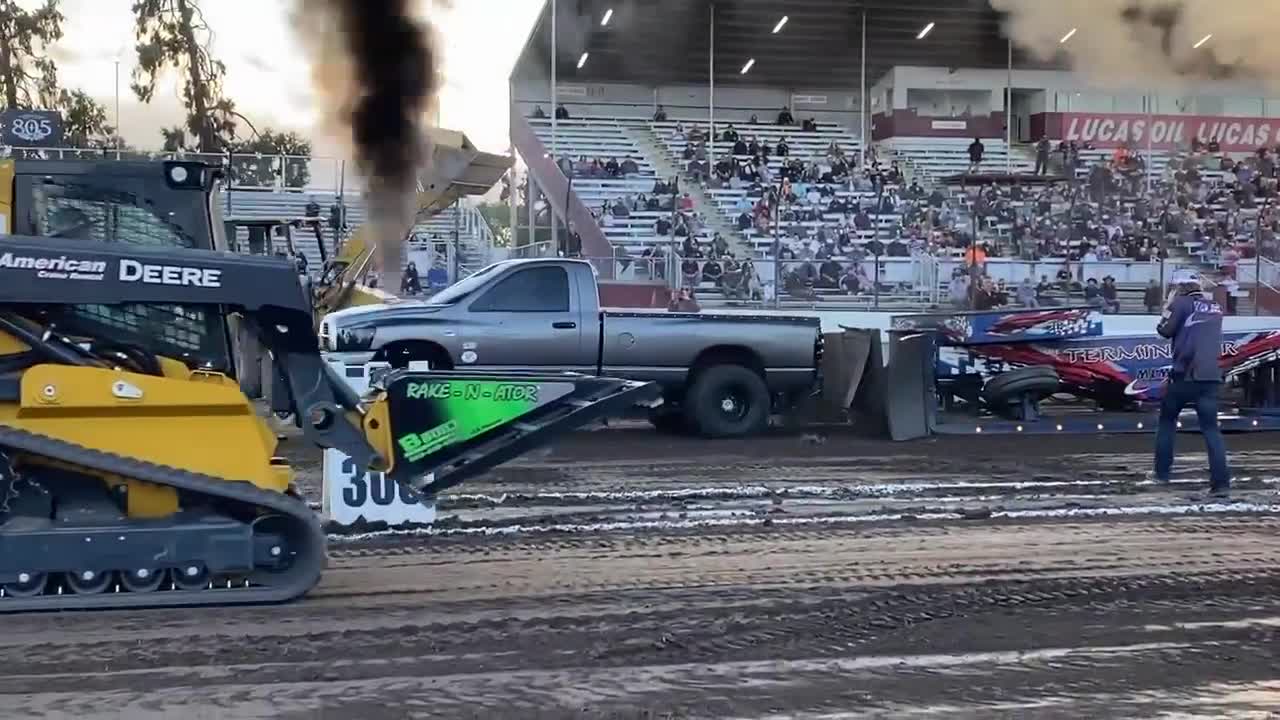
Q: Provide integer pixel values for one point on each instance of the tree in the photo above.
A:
(84, 121)
(498, 215)
(173, 34)
(262, 169)
(174, 138)
(28, 75)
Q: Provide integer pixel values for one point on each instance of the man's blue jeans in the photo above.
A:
(1204, 396)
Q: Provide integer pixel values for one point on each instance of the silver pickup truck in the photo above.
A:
(722, 375)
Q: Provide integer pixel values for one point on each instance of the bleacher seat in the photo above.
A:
(475, 241)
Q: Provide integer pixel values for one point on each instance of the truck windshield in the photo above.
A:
(461, 289)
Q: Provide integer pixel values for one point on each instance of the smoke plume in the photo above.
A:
(375, 69)
(1138, 44)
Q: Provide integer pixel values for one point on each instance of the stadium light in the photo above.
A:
(1203, 40)
(608, 15)
(583, 60)
(747, 68)
(778, 28)
(1070, 33)
(927, 29)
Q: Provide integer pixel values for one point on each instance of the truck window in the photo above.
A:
(538, 289)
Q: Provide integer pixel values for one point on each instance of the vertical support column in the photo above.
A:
(863, 105)
(555, 149)
(457, 240)
(711, 83)
(1008, 112)
(528, 210)
(1150, 140)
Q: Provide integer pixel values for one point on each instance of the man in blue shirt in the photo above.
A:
(1192, 320)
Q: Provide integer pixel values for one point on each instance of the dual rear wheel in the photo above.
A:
(720, 401)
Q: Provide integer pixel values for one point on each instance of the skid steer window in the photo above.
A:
(98, 214)
(191, 334)
(102, 215)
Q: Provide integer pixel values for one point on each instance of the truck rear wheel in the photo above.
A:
(727, 401)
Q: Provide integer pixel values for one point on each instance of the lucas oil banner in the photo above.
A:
(1168, 132)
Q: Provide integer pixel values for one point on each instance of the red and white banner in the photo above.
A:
(1168, 132)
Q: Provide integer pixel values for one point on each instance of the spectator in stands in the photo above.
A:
(1093, 293)
(1152, 298)
(1043, 288)
(862, 221)
(620, 208)
(741, 148)
(1110, 295)
(985, 297)
(719, 246)
(562, 112)
(851, 282)
(660, 115)
(782, 149)
(829, 274)
(686, 202)
(712, 272)
(976, 256)
(1042, 155)
(629, 167)
(785, 117)
(683, 301)
(682, 228)
(690, 271)
(976, 148)
(1026, 293)
(731, 136)
(958, 289)
(538, 113)
(809, 125)
(612, 168)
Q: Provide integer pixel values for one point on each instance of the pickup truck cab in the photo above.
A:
(721, 374)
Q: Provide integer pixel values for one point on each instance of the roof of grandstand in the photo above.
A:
(667, 41)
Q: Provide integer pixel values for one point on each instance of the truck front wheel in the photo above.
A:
(727, 401)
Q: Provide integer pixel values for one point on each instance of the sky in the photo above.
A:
(267, 73)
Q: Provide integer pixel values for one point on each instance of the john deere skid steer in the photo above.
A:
(133, 470)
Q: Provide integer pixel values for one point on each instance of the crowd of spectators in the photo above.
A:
(824, 214)
(600, 169)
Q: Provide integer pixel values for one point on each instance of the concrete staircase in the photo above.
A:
(655, 150)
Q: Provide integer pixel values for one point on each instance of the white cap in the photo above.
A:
(1185, 276)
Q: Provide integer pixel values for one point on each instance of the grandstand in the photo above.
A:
(867, 214)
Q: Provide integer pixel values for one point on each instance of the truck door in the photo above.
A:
(527, 321)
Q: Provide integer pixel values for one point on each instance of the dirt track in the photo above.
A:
(628, 575)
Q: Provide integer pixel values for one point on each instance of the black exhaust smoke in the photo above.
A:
(376, 68)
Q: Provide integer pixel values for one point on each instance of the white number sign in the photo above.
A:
(352, 493)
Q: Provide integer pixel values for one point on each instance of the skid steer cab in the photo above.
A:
(130, 477)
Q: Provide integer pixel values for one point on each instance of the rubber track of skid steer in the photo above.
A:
(301, 577)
